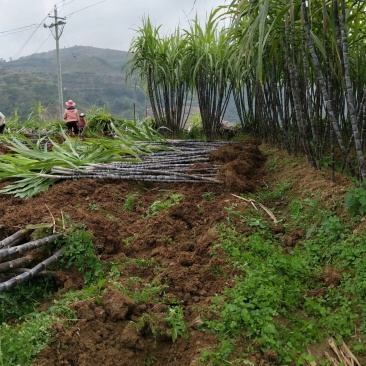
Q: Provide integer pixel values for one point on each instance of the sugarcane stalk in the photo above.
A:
(6, 266)
(31, 272)
(160, 178)
(28, 246)
(17, 271)
(12, 238)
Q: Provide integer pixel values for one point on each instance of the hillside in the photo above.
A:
(91, 76)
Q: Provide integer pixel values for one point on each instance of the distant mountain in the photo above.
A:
(90, 76)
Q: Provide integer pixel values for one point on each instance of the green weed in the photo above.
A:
(130, 202)
(279, 192)
(273, 163)
(23, 298)
(20, 344)
(159, 206)
(355, 203)
(271, 302)
(208, 196)
(128, 241)
(176, 320)
(80, 253)
(110, 216)
(115, 270)
(141, 262)
(140, 291)
(94, 207)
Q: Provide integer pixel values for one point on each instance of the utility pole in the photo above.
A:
(58, 22)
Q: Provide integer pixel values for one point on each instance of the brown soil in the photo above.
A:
(180, 242)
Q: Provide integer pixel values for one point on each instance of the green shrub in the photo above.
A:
(355, 203)
(176, 320)
(81, 253)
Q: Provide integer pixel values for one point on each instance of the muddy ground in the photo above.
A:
(180, 242)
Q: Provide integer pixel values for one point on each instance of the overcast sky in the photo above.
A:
(97, 23)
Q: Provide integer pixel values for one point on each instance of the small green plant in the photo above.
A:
(208, 196)
(273, 163)
(150, 361)
(200, 209)
(280, 191)
(159, 206)
(176, 320)
(80, 253)
(314, 204)
(115, 270)
(141, 262)
(110, 216)
(332, 225)
(140, 291)
(94, 207)
(130, 202)
(355, 202)
(128, 241)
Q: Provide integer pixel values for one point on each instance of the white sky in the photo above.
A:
(96, 23)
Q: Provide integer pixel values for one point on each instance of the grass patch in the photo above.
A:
(283, 300)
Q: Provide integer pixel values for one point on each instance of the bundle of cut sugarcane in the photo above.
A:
(186, 162)
(12, 271)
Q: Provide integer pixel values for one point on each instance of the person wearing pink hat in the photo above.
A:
(71, 115)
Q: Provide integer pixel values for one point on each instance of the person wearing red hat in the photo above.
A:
(71, 115)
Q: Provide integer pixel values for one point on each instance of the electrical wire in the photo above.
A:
(17, 29)
(29, 38)
(70, 48)
(87, 7)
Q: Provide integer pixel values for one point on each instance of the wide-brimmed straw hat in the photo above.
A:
(70, 103)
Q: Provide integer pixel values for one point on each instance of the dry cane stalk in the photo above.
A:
(344, 354)
(251, 201)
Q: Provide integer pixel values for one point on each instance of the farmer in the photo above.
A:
(82, 122)
(71, 116)
(2, 123)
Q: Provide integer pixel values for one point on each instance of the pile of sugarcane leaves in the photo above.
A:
(134, 153)
(12, 272)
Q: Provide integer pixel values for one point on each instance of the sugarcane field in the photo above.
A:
(197, 200)
(134, 248)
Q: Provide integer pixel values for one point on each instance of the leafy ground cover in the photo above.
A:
(190, 274)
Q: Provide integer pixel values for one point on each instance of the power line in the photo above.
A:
(19, 28)
(29, 38)
(87, 7)
(42, 43)
(70, 49)
(15, 32)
